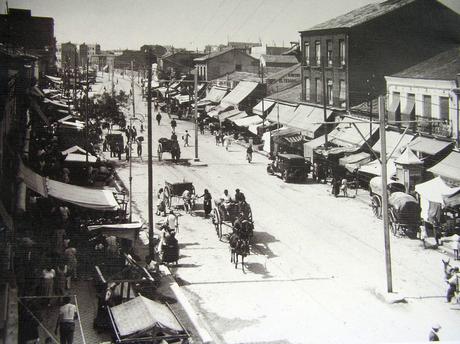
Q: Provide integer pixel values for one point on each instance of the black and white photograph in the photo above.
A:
(229, 171)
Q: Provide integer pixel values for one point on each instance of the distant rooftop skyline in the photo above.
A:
(117, 24)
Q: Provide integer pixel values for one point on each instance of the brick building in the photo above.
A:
(359, 48)
(86, 51)
(218, 64)
(69, 55)
(178, 62)
(35, 35)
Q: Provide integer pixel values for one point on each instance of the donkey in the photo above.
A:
(238, 247)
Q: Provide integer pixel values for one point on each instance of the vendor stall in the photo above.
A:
(147, 321)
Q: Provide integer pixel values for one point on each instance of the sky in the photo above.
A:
(191, 24)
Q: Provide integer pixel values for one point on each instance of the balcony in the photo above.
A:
(426, 125)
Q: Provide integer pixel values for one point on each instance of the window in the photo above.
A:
(319, 93)
(426, 106)
(342, 93)
(329, 52)
(307, 53)
(318, 52)
(329, 92)
(307, 88)
(342, 52)
(443, 107)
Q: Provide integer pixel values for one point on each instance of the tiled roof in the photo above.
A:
(280, 59)
(212, 55)
(361, 15)
(241, 76)
(290, 95)
(444, 66)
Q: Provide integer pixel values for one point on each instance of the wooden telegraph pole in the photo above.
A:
(383, 156)
(196, 115)
(149, 141)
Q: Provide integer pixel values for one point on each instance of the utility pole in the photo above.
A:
(149, 141)
(383, 156)
(131, 152)
(324, 96)
(132, 88)
(263, 112)
(86, 115)
(75, 81)
(196, 115)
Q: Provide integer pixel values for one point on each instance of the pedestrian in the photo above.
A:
(142, 128)
(119, 150)
(452, 282)
(173, 136)
(173, 125)
(128, 133)
(158, 118)
(161, 206)
(48, 274)
(134, 133)
(127, 152)
(249, 153)
(66, 321)
(186, 138)
(207, 198)
(201, 126)
(139, 149)
(171, 221)
(61, 279)
(70, 255)
(433, 336)
(217, 137)
(226, 142)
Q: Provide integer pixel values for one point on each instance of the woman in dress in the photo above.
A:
(207, 198)
(48, 275)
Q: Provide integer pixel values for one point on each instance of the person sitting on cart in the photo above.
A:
(227, 202)
(173, 136)
(187, 198)
(239, 196)
(171, 221)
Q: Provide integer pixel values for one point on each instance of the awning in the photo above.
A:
(78, 157)
(248, 121)
(393, 107)
(239, 93)
(452, 200)
(428, 145)
(346, 134)
(37, 92)
(394, 140)
(242, 114)
(33, 180)
(449, 167)
(227, 114)
(56, 103)
(203, 102)
(268, 104)
(293, 139)
(282, 113)
(183, 98)
(408, 158)
(434, 190)
(140, 315)
(309, 119)
(409, 107)
(218, 110)
(254, 128)
(374, 168)
(38, 110)
(119, 230)
(97, 199)
(54, 79)
(354, 161)
(216, 94)
(285, 131)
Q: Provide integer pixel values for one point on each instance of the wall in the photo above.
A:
(226, 63)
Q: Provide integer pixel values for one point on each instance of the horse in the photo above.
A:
(238, 247)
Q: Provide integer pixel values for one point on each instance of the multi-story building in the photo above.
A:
(69, 55)
(275, 63)
(427, 92)
(104, 61)
(353, 52)
(178, 62)
(34, 35)
(218, 64)
(243, 46)
(86, 51)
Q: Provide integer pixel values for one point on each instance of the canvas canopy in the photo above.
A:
(97, 199)
(267, 105)
(354, 161)
(434, 190)
(78, 154)
(309, 119)
(54, 79)
(428, 145)
(33, 180)
(119, 230)
(239, 93)
(139, 315)
(248, 121)
(228, 114)
(374, 168)
(282, 113)
(449, 167)
(395, 142)
(216, 94)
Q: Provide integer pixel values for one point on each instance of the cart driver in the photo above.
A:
(187, 198)
(171, 221)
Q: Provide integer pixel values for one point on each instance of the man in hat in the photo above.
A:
(433, 336)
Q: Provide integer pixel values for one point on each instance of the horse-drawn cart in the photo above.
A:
(170, 146)
(176, 190)
(375, 189)
(404, 214)
(235, 213)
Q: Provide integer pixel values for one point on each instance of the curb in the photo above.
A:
(390, 298)
(193, 316)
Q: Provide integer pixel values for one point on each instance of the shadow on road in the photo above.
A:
(260, 245)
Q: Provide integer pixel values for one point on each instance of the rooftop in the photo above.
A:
(361, 15)
(290, 95)
(241, 76)
(280, 74)
(444, 66)
(213, 54)
(280, 59)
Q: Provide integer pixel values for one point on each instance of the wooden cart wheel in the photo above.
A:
(216, 219)
(376, 206)
(160, 152)
(167, 197)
